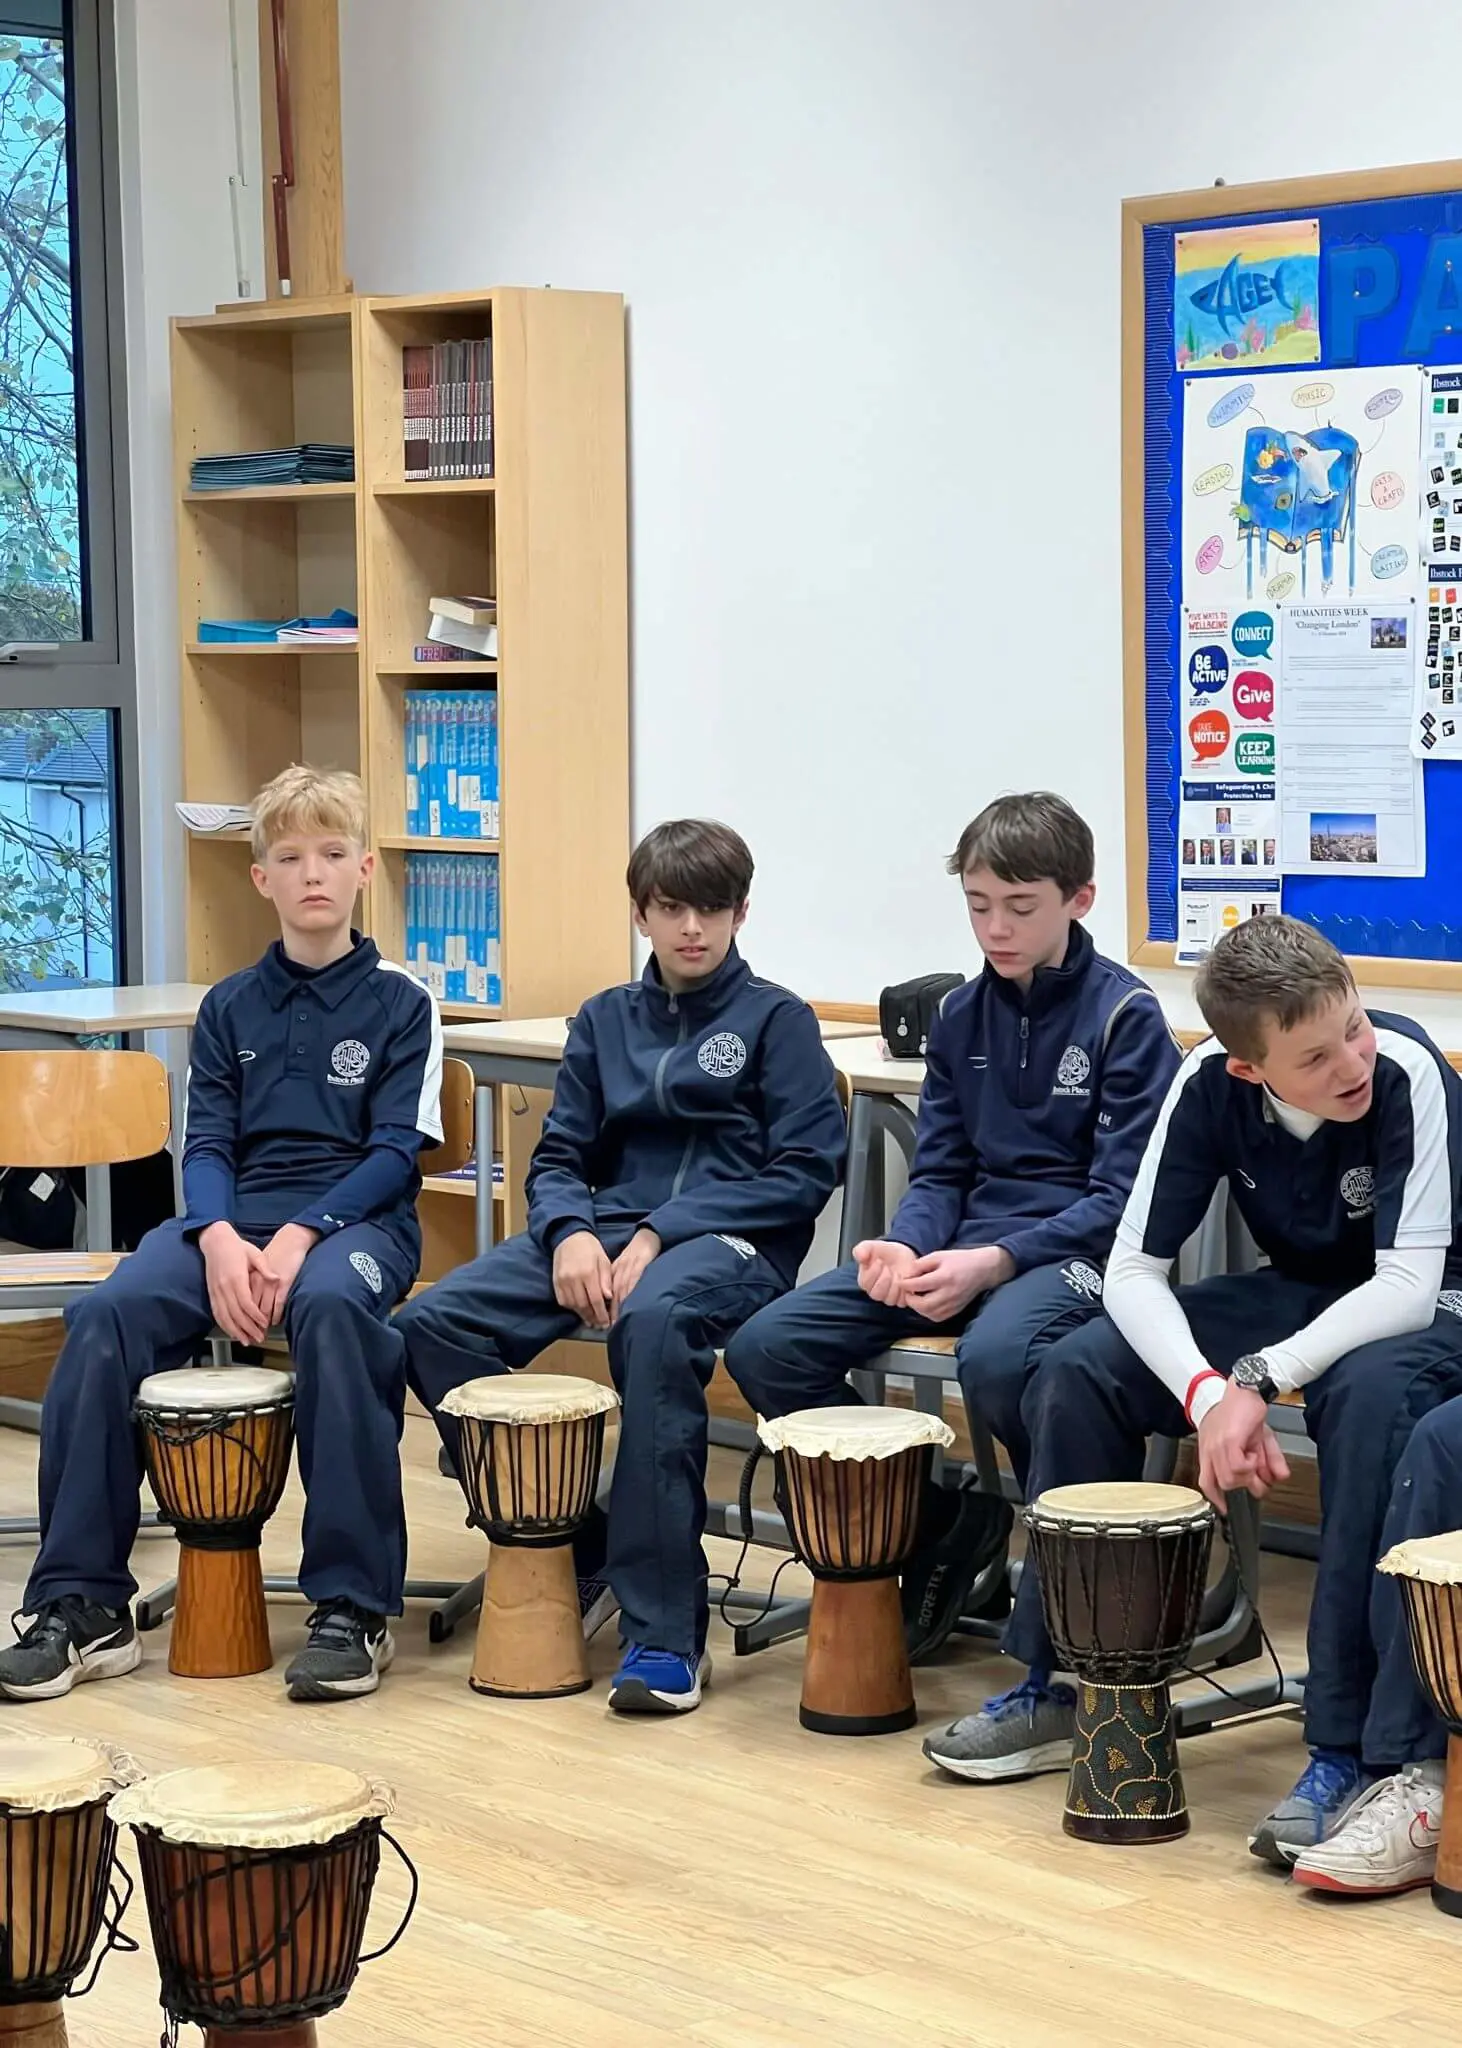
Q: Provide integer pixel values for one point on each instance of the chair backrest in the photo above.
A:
(456, 1147)
(81, 1108)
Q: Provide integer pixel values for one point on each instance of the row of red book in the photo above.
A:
(446, 392)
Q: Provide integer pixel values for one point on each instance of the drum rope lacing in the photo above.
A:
(319, 1890)
(185, 1511)
(549, 1485)
(62, 1930)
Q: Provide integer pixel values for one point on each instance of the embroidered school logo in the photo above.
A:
(1071, 1072)
(368, 1270)
(1358, 1191)
(245, 1056)
(348, 1063)
(737, 1244)
(722, 1056)
(1083, 1280)
(1450, 1299)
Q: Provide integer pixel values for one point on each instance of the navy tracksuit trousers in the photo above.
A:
(796, 1353)
(1093, 1404)
(1426, 1500)
(497, 1313)
(349, 1391)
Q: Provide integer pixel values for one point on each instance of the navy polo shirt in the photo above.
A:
(310, 1094)
(1320, 1207)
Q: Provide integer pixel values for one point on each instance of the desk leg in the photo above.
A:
(482, 1151)
(862, 1136)
(99, 1208)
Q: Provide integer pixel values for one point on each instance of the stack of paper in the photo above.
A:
(312, 462)
(215, 817)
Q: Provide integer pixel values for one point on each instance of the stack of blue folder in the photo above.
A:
(313, 462)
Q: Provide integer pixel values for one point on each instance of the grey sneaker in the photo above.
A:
(597, 1605)
(1015, 1735)
(1330, 1785)
(347, 1651)
(69, 1639)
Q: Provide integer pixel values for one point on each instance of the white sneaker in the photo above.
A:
(1388, 1840)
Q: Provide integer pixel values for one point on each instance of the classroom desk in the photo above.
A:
(57, 1017)
(879, 1091)
(525, 1053)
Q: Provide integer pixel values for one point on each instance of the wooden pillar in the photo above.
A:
(299, 79)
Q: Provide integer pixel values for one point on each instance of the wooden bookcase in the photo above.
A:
(546, 534)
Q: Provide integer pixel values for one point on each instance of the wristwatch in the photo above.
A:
(1252, 1371)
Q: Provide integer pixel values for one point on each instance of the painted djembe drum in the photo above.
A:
(1429, 1569)
(850, 1484)
(530, 1447)
(59, 1873)
(258, 1881)
(217, 1442)
(1123, 1569)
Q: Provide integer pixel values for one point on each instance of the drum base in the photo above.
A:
(1125, 1785)
(220, 1622)
(856, 1680)
(33, 2026)
(530, 1639)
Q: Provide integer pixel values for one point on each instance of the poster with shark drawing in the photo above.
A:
(1300, 488)
(1247, 297)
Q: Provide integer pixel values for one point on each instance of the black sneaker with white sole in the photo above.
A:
(964, 1532)
(347, 1651)
(67, 1641)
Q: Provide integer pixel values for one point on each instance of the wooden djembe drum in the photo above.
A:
(258, 1882)
(1429, 1570)
(850, 1484)
(217, 1442)
(1123, 1569)
(57, 1869)
(529, 1451)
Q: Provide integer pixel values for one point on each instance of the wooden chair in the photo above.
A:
(454, 1152)
(70, 1109)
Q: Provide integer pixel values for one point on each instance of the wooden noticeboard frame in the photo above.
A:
(1290, 195)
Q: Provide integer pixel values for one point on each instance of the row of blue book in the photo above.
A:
(452, 786)
(454, 925)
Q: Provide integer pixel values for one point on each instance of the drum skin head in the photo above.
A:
(854, 1433)
(529, 1398)
(1435, 1559)
(53, 1774)
(269, 1805)
(204, 1389)
(1115, 1503)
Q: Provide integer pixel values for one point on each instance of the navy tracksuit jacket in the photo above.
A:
(713, 1118)
(310, 1093)
(1034, 1114)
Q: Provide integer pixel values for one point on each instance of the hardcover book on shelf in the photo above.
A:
(467, 611)
(480, 641)
(446, 410)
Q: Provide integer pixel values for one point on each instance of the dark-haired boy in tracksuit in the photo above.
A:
(695, 1135)
(1045, 1075)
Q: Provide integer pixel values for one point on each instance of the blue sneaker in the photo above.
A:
(1332, 1782)
(1015, 1735)
(658, 1682)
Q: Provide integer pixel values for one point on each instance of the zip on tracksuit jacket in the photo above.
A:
(1036, 1108)
(711, 1112)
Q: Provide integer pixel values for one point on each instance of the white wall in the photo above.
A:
(177, 153)
(871, 255)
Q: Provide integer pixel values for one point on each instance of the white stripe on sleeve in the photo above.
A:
(429, 1102)
(1137, 1215)
(1425, 1221)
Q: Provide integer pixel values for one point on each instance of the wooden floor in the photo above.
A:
(731, 1881)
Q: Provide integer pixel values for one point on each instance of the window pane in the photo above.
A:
(42, 584)
(59, 910)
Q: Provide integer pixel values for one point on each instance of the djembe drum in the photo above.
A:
(1430, 1571)
(530, 1446)
(217, 1442)
(59, 1849)
(1123, 1570)
(850, 1485)
(258, 1881)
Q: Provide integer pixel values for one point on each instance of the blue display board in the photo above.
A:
(1390, 291)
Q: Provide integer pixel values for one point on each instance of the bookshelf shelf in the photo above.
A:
(444, 1184)
(263, 650)
(403, 842)
(330, 370)
(439, 487)
(269, 494)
